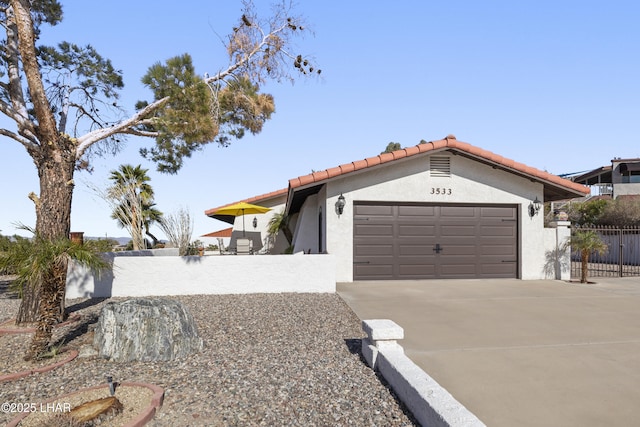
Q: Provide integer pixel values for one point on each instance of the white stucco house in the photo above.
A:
(443, 209)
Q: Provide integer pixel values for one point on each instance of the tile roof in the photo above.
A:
(450, 142)
(254, 200)
(225, 232)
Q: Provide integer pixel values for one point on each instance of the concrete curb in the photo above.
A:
(14, 376)
(145, 416)
(428, 401)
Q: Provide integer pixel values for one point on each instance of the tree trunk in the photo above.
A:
(153, 238)
(55, 160)
(53, 221)
(29, 303)
(584, 255)
(47, 317)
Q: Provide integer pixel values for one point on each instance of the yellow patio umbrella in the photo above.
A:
(230, 212)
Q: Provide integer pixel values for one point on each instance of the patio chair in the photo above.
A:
(243, 246)
(221, 247)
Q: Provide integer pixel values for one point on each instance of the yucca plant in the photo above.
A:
(39, 265)
(587, 242)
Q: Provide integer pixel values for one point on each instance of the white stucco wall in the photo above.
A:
(557, 252)
(409, 180)
(232, 274)
(306, 229)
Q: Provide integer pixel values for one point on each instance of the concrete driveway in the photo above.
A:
(520, 353)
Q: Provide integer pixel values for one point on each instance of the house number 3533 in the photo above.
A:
(443, 191)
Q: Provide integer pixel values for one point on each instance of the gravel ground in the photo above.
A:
(269, 359)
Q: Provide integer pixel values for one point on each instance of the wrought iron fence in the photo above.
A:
(622, 257)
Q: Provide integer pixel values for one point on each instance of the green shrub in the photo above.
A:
(101, 245)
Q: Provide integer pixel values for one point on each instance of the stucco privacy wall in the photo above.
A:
(144, 276)
(409, 180)
(557, 252)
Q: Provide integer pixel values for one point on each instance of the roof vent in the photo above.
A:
(440, 166)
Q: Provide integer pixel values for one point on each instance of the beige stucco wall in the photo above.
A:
(409, 180)
(626, 189)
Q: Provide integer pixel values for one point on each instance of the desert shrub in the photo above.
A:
(621, 213)
(8, 245)
(178, 227)
(101, 245)
(586, 213)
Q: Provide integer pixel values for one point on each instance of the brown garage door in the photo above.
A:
(411, 241)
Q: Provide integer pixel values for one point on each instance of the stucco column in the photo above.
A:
(563, 249)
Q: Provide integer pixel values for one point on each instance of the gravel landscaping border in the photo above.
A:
(269, 359)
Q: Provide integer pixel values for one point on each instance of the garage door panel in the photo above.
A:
(490, 231)
(372, 249)
(458, 230)
(382, 230)
(501, 250)
(458, 269)
(374, 272)
(431, 241)
(457, 211)
(416, 211)
(497, 270)
(374, 210)
(413, 271)
(498, 212)
(425, 251)
(413, 230)
(454, 250)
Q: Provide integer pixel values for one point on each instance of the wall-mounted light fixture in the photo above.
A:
(340, 205)
(255, 222)
(534, 207)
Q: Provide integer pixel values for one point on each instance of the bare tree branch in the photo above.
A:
(29, 145)
(124, 127)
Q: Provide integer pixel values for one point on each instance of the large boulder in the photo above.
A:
(146, 329)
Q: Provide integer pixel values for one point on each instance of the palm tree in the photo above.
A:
(39, 263)
(586, 242)
(133, 202)
(279, 222)
(151, 215)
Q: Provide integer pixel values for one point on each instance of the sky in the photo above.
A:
(553, 84)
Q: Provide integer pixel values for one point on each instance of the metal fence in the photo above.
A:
(622, 257)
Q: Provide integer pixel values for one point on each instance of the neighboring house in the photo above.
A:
(275, 200)
(444, 209)
(217, 238)
(622, 178)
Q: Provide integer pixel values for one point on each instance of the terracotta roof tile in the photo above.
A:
(412, 150)
(372, 161)
(449, 142)
(347, 167)
(321, 175)
(385, 157)
(334, 172)
(360, 164)
(399, 154)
